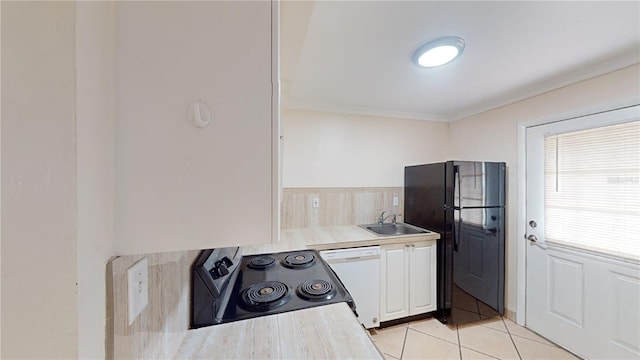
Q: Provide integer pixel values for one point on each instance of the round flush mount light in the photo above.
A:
(439, 52)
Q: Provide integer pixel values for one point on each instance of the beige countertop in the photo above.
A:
(332, 237)
(323, 332)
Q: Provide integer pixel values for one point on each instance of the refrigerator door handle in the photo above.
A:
(456, 232)
(478, 207)
(457, 184)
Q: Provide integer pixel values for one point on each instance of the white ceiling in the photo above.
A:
(355, 56)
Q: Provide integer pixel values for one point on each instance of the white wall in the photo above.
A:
(95, 23)
(492, 136)
(39, 242)
(338, 150)
(176, 183)
(57, 184)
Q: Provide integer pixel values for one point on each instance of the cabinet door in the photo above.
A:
(394, 289)
(179, 186)
(422, 278)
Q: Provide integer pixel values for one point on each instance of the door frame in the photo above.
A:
(521, 260)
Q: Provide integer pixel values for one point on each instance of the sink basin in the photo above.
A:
(393, 229)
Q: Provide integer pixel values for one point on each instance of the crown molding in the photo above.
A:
(364, 111)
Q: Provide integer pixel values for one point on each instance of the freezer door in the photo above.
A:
(478, 184)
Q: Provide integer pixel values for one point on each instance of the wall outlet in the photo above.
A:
(138, 288)
(395, 201)
(315, 202)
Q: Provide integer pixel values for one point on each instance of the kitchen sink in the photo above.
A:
(393, 229)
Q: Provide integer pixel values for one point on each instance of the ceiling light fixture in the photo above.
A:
(439, 52)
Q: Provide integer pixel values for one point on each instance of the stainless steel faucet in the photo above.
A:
(382, 218)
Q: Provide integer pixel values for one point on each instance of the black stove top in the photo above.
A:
(228, 287)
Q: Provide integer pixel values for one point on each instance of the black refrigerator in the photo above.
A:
(464, 201)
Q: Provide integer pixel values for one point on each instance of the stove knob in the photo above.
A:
(227, 262)
(219, 271)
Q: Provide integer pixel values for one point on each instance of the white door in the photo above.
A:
(422, 278)
(578, 295)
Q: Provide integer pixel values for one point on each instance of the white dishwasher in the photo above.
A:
(359, 271)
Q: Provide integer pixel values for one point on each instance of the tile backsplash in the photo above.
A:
(338, 206)
(158, 331)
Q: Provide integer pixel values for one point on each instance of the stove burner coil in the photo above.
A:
(316, 290)
(261, 262)
(265, 295)
(299, 260)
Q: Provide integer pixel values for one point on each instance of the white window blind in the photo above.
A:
(592, 189)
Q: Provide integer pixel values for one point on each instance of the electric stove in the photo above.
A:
(227, 286)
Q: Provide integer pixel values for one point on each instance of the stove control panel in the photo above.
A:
(215, 265)
(221, 267)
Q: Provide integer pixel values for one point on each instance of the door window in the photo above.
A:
(592, 189)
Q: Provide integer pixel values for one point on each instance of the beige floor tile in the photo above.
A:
(389, 357)
(517, 330)
(402, 325)
(488, 341)
(435, 328)
(422, 346)
(468, 354)
(390, 341)
(530, 349)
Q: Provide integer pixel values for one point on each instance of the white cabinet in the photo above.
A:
(408, 279)
(422, 277)
(179, 186)
(394, 282)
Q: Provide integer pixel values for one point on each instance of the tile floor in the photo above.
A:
(495, 338)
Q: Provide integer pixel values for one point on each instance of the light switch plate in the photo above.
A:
(138, 288)
(315, 202)
(395, 201)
